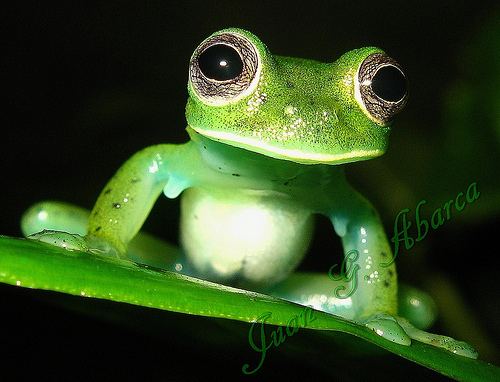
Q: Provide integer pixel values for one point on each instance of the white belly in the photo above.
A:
(243, 237)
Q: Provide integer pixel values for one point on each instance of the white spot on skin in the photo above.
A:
(347, 80)
(42, 215)
(414, 302)
(153, 168)
(18, 282)
(254, 103)
(373, 278)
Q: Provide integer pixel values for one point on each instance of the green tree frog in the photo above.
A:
(268, 135)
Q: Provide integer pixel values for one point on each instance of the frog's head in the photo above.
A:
(289, 108)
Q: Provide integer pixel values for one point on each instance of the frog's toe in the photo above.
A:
(416, 306)
(54, 216)
(388, 327)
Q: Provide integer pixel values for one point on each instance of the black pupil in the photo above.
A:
(220, 62)
(389, 84)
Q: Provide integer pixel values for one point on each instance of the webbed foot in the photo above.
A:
(75, 242)
(401, 331)
(444, 342)
(51, 222)
(387, 326)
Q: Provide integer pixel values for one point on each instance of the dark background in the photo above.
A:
(88, 85)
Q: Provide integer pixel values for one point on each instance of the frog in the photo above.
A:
(269, 140)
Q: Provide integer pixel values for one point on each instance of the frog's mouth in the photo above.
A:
(294, 155)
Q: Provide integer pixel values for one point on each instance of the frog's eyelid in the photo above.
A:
(375, 107)
(219, 93)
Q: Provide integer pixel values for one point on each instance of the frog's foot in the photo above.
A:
(143, 250)
(444, 342)
(318, 291)
(387, 326)
(50, 222)
(69, 241)
(399, 330)
(63, 225)
(418, 312)
(75, 242)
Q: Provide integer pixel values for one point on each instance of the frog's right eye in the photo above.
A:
(224, 68)
(381, 87)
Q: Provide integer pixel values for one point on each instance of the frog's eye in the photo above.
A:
(224, 68)
(381, 87)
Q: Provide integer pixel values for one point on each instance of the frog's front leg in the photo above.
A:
(375, 299)
(373, 292)
(121, 208)
(362, 234)
(127, 199)
(373, 289)
(366, 291)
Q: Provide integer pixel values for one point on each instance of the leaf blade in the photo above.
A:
(34, 265)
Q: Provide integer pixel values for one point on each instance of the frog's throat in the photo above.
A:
(294, 155)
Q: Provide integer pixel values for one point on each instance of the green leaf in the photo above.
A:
(34, 265)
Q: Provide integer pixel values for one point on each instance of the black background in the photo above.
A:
(88, 85)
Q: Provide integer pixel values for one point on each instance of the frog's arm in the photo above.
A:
(127, 199)
(375, 299)
(365, 244)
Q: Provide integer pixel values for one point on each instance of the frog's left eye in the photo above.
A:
(381, 87)
(224, 68)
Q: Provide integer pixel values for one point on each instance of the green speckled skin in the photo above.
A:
(255, 171)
